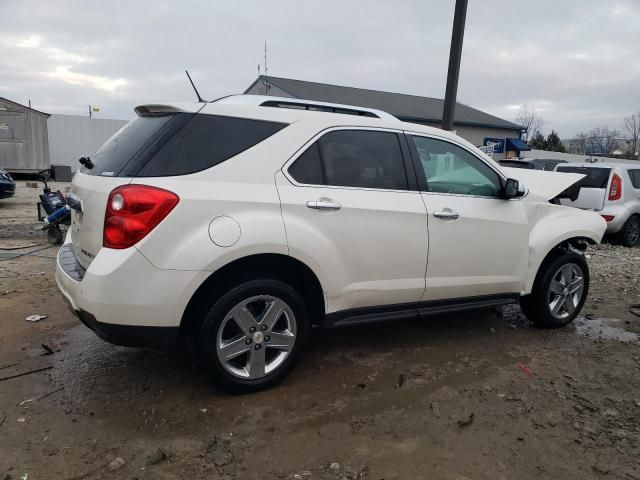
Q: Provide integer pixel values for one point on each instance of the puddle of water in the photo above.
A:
(605, 329)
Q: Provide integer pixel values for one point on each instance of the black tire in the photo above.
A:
(54, 235)
(207, 337)
(630, 234)
(536, 306)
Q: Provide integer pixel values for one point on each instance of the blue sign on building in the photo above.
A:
(498, 144)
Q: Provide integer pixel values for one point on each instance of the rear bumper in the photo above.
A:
(123, 298)
(620, 213)
(161, 338)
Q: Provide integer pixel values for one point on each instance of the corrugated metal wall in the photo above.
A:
(71, 137)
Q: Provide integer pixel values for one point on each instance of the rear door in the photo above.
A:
(593, 188)
(352, 211)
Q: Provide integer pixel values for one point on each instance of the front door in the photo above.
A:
(478, 241)
(350, 213)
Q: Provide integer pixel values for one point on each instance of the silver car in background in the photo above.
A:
(613, 191)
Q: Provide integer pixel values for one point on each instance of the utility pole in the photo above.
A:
(453, 73)
(90, 111)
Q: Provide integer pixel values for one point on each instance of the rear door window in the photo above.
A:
(353, 158)
(364, 159)
(635, 178)
(595, 177)
(308, 168)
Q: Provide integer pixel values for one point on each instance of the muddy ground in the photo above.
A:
(479, 395)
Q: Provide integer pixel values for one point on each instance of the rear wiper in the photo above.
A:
(86, 162)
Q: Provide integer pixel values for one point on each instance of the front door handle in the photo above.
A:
(447, 215)
(324, 204)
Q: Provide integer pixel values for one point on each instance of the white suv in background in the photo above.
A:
(242, 223)
(612, 190)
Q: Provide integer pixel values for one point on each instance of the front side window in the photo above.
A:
(451, 169)
(353, 158)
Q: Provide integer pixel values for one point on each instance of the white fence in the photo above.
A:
(572, 157)
(72, 136)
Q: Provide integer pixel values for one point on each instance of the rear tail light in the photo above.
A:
(608, 218)
(615, 190)
(133, 211)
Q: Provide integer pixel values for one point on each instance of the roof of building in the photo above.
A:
(405, 107)
(25, 107)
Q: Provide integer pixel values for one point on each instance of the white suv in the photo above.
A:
(242, 223)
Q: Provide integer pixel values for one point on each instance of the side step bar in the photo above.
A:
(359, 316)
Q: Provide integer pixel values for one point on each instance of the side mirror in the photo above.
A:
(513, 188)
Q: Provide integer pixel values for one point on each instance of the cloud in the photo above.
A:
(66, 75)
(576, 64)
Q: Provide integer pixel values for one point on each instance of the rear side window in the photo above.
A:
(635, 178)
(595, 177)
(205, 141)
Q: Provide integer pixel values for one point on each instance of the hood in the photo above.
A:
(544, 183)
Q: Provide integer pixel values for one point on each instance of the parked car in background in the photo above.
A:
(241, 223)
(546, 163)
(7, 185)
(513, 163)
(613, 191)
(532, 163)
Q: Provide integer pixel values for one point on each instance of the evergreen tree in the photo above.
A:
(553, 143)
(537, 142)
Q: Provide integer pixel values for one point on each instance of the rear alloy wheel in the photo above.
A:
(630, 233)
(251, 337)
(256, 337)
(559, 291)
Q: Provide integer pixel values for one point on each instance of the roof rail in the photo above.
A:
(302, 104)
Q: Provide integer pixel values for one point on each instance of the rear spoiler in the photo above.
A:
(159, 110)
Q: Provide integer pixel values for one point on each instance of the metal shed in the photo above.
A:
(24, 142)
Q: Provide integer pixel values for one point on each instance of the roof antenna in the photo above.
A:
(265, 80)
(200, 99)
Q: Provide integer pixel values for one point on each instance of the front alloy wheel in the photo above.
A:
(566, 290)
(559, 291)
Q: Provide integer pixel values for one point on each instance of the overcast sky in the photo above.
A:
(577, 62)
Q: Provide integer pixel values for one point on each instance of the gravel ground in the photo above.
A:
(480, 395)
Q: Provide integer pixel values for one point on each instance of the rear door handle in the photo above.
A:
(324, 204)
(447, 215)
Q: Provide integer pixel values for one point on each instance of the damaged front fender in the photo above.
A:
(553, 225)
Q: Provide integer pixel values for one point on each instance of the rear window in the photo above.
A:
(595, 177)
(123, 147)
(177, 144)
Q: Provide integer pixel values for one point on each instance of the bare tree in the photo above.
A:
(579, 144)
(529, 119)
(602, 140)
(632, 133)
